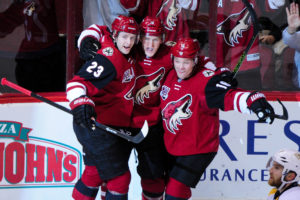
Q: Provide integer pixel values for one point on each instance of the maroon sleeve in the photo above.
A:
(10, 19)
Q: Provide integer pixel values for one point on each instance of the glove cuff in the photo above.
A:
(254, 96)
(81, 101)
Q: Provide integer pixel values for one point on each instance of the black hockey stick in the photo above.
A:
(135, 139)
(284, 115)
(256, 29)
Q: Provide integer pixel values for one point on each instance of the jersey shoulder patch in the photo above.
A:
(208, 73)
(108, 51)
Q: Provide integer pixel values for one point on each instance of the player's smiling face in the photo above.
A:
(183, 67)
(151, 44)
(125, 42)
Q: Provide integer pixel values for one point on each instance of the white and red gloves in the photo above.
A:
(257, 103)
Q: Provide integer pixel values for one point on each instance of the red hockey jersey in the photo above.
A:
(113, 106)
(234, 31)
(150, 74)
(190, 111)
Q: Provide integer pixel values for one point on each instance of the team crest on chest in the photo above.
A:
(208, 73)
(146, 84)
(175, 111)
(108, 51)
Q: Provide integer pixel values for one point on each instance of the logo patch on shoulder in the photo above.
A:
(208, 73)
(108, 51)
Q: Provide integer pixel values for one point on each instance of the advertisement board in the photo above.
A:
(40, 156)
(239, 169)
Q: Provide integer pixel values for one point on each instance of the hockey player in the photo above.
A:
(284, 168)
(191, 97)
(98, 92)
(153, 62)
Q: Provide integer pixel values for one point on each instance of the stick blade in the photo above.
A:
(285, 115)
(142, 134)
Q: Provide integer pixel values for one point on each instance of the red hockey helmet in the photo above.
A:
(124, 24)
(186, 48)
(152, 26)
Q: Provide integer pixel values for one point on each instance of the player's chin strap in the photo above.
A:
(256, 29)
(127, 136)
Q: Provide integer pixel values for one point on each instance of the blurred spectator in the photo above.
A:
(276, 65)
(291, 36)
(39, 63)
(173, 14)
(234, 32)
(102, 12)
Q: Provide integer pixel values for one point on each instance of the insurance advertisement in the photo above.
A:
(41, 158)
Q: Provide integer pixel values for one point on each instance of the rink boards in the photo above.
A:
(40, 156)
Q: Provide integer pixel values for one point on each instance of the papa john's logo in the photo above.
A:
(175, 111)
(28, 161)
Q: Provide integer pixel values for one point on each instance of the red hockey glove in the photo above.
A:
(83, 109)
(257, 102)
(88, 48)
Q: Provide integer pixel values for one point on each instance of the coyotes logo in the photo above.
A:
(233, 27)
(28, 10)
(144, 85)
(174, 111)
(173, 11)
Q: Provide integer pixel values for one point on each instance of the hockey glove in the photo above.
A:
(257, 102)
(228, 78)
(83, 110)
(88, 48)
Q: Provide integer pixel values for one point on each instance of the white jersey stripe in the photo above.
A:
(240, 103)
(75, 90)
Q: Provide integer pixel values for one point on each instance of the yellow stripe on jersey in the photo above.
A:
(273, 191)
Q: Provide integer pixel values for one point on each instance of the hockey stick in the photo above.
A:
(135, 139)
(256, 29)
(284, 115)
